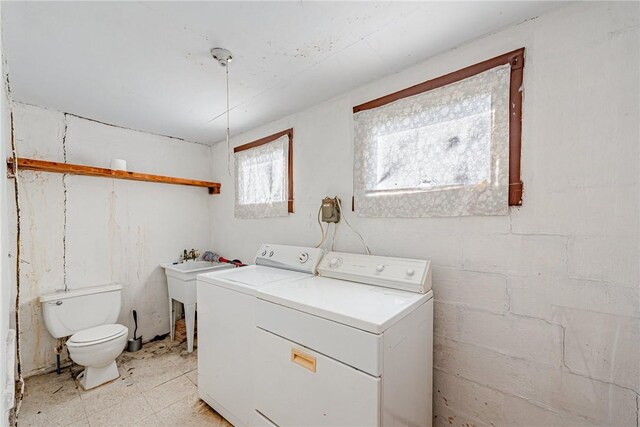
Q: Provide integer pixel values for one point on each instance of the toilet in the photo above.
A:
(88, 317)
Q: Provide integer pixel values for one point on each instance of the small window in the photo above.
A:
(446, 147)
(264, 177)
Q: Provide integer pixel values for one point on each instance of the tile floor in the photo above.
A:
(157, 387)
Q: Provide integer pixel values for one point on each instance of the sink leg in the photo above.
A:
(190, 318)
(172, 319)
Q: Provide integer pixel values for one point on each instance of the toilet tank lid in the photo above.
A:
(79, 292)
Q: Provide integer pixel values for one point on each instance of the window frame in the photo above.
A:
(516, 60)
(266, 140)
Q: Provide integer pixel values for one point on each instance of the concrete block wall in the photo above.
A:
(537, 315)
(85, 231)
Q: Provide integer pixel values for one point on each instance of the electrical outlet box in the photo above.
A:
(330, 210)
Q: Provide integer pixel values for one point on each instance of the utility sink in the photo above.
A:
(190, 269)
(181, 281)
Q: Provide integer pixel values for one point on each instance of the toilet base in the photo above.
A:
(92, 377)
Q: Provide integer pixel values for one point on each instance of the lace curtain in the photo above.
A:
(262, 176)
(444, 152)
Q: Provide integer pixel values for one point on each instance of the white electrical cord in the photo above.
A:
(366, 248)
(333, 238)
(324, 234)
(228, 132)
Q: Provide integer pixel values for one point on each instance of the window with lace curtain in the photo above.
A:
(446, 147)
(264, 177)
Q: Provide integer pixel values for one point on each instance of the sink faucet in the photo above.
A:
(193, 254)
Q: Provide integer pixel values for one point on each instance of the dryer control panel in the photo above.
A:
(297, 258)
(412, 275)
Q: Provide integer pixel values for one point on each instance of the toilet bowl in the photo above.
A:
(88, 317)
(97, 349)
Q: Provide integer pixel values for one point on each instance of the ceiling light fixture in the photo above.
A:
(224, 57)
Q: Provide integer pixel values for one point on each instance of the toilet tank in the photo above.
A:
(68, 312)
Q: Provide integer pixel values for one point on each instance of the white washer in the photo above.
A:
(226, 325)
(330, 351)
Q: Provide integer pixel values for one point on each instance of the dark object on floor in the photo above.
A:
(159, 337)
(134, 344)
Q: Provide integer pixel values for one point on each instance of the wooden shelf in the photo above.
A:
(72, 169)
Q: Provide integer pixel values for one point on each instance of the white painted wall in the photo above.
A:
(85, 231)
(537, 313)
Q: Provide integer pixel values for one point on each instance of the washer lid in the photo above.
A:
(98, 333)
(370, 308)
(248, 279)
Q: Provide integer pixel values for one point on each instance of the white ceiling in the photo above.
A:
(146, 65)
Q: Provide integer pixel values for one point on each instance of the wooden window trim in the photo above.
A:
(516, 60)
(268, 139)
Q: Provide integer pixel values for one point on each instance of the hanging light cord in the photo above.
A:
(228, 132)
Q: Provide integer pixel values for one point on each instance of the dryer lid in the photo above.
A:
(370, 308)
(97, 333)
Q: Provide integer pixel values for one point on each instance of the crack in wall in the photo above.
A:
(14, 154)
(564, 346)
(16, 192)
(533, 401)
(176, 138)
(580, 374)
(604, 382)
(64, 223)
(563, 366)
(504, 393)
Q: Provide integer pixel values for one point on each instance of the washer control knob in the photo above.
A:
(411, 272)
(333, 262)
(264, 253)
(271, 254)
(380, 268)
(303, 257)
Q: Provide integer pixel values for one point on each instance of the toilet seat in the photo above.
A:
(97, 335)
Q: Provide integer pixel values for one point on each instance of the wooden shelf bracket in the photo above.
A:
(73, 169)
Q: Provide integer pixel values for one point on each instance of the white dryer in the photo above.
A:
(352, 346)
(226, 325)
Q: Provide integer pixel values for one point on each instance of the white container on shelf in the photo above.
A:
(118, 164)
